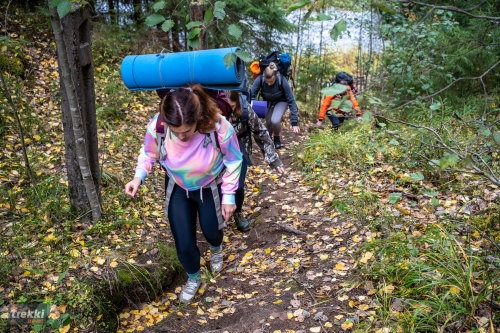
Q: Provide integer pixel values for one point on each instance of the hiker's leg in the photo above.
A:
(335, 120)
(182, 214)
(240, 192)
(269, 114)
(209, 222)
(277, 114)
(242, 223)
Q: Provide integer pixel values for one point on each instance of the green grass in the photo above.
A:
(439, 279)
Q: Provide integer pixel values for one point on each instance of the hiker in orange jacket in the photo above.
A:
(345, 79)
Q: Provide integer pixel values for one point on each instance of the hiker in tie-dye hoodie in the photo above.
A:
(202, 158)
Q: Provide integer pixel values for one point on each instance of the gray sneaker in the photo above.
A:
(189, 290)
(216, 262)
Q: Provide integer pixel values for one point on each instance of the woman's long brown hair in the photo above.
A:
(190, 105)
(235, 97)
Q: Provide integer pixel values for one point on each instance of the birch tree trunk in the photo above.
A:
(76, 117)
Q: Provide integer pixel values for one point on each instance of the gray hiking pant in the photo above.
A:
(273, 118)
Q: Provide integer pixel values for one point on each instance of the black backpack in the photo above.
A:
(266, 59)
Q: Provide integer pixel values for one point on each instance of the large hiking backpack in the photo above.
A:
(343, 76)
(283, 62)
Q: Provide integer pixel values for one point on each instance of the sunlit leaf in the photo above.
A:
(496, 137)
(245, 56)
(430, 193)
(235, 31)
(367, 117)
(159, 5)
(193, 33)
(298, 5)
(219, 11)
(193, 24)
(417, 176)
(154, 19)
(394, 198)
(435, 106)
(448, 160)
(229, 60)
(338, 29)
(323, 17)
(334, 89)
(194, 42)
(63, 8)
(209, 15)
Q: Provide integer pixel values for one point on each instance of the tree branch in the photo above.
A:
(448, 86)
(453, 9)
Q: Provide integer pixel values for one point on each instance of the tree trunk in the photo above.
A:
(297, 53)
(79, 117)
(137, 12)
(176, 43)
(111, 10)
(197, 12)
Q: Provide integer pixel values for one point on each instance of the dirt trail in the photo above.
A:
(286, 273)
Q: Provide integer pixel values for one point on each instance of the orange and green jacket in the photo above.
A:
(328, 100)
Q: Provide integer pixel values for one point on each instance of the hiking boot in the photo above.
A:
(189, 291)
(242, 223)
(277, 142)
(216, 262)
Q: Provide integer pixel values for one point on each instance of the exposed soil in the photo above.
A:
(286, 273)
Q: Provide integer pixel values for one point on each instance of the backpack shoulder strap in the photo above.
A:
(214, 138)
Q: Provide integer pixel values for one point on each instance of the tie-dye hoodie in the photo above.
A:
(191, 165)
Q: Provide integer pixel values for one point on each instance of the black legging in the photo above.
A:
(240, 192)
(183, 212)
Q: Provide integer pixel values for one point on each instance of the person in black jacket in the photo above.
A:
(279, 96)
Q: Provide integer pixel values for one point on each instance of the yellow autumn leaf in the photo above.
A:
(62, 308)
(200, 312)
(339, 266)
(355, 239)
(75, 253)
(366, 256)
(387, 289)
(363, 307)
(289, 315)
(347, 325)
(277, 302)
(50, 238)
(328, 324)
(268, 250)
(454, 290)
(113, 264)
(64, 329)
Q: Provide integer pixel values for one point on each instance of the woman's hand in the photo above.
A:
(132, 187)
(280, 170)
(227, 211)
(295, 129)
(318, 124)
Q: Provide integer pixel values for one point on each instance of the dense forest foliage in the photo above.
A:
(421, 171)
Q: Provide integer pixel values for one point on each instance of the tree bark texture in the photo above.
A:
(72, 35)
(197, 13)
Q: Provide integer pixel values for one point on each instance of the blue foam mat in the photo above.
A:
(174, 70)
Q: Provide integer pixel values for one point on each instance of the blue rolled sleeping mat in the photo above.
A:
(174, 70)
(260, 108)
